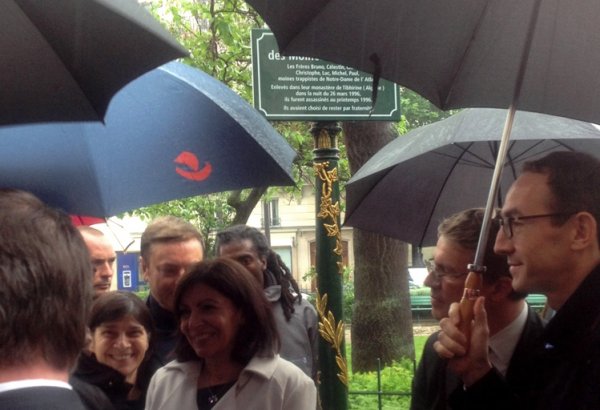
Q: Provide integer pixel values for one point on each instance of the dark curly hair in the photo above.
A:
(275, 265)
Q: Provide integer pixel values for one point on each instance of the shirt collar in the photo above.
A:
(21, 384)
(504, 342)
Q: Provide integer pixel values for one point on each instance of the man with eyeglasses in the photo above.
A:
(169, 246)
(513, 326)
(550, 236)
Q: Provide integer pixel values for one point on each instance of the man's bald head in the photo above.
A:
(102, 256)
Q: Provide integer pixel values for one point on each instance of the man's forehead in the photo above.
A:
(529, 192)
(239, 246)
(449, 251)
(172, 243)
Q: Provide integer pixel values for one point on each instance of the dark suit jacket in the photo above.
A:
(433, 383)
(40, 398)
(564, 363)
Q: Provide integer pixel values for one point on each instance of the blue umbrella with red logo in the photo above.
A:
(174, 132)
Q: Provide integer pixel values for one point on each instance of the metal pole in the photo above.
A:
(333, 370)
(476, 269)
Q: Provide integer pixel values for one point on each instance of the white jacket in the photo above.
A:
(266, 383)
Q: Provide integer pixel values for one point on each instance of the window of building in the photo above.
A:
(272, 210)
(285, 253)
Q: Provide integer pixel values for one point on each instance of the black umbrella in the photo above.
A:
(537, 55)
(434, 171)
(457, 54)
(63, 60)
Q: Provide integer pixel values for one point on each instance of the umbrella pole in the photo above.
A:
(476, 269)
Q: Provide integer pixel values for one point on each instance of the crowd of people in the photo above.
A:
(234, 332)
(211, 334)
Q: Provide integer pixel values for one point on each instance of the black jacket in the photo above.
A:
(433, 383)
(113, 383)
(166, 331)
(40, 398)
(564, 366)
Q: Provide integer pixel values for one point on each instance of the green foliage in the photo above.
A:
(419, 345)
(207, 213)
(217, 35)
(396, 378)
(424, 291)
(417, 111)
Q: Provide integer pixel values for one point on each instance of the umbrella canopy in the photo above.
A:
(420, 178)
(63, 60)
(462, 53)
(111, 227)
(174, 132)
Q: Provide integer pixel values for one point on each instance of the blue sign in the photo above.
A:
(127, 271)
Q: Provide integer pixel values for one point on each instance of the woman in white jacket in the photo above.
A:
(226, 357)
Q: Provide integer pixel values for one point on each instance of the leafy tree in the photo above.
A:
(382, 299)
(217, 33)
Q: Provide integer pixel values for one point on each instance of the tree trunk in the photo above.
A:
(382, 321)
(243, 207)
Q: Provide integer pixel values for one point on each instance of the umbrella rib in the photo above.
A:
(462, 60)
(439, 194)
(465, 149)
(522, 156)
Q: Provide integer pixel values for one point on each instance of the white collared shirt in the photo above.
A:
(503, 344)
(21, 384)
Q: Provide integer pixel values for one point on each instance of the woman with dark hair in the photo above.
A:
(296, 319)
(120, 362)
(227, 354)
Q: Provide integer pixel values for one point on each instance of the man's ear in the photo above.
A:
(585, 231)
(144, 268)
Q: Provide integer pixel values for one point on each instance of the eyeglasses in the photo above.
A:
(438, 273)
(508, 222)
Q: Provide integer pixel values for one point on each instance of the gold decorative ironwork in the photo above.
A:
(333, 333)
(330, 211)
(323, 140)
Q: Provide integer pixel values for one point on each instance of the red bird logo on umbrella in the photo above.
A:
(189, 167)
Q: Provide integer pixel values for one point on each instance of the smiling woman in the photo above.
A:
(227, 354)
(119, 360)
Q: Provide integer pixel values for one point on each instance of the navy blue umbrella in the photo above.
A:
(172, 133)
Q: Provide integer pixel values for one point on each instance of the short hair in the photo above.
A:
(111, 306)
(464, 228)
(275, 265)
(257, 333)
(45, 283)
(573, 179)
(167, 229)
